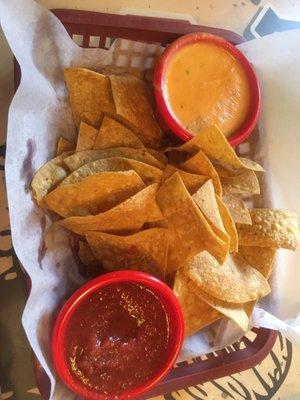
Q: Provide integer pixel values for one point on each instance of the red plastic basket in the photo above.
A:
(254, 347)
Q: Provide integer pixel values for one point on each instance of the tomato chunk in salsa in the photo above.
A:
(117, 338)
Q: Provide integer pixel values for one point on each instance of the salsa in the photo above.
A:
(206, 85)
(117, 338)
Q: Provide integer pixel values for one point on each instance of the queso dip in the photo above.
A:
(205, 85)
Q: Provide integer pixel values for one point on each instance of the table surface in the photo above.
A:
(278, 376)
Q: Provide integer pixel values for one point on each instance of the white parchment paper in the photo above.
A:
(39, 113)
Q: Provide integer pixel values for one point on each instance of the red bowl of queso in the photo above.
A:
(202, 80)
(117, 336)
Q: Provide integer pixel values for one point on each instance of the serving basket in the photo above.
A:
(92, 29)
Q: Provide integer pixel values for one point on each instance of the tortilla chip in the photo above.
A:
(96, 193)
(177, 157)
(235, 281)
(187, 223)
(83, 157)
(90, 94)
(235, 312)
(244, 183)
(128, 216)
(237, 208)
(200, 164)
(193, 145)
(188, 149)
(115, 70)
(144, 251)
(197, 314)
(89, 119)
(188, 230)
(227, 172)
(249, 307)
(224, 172)
(64, 145)
(149, 74)
(159, 155)
(48, 176)
(89, 267)
(172, 195)
(206, 200)
(261, 258)
(86, 137)
(85, 253)
(216, 146)
(113, 134)
(191, 181)
(250, 164)
(229, 225)
(270, 228)
(132, 102)
(147, 172)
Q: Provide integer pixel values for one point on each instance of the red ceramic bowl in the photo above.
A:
(174, 313)
(165, 113)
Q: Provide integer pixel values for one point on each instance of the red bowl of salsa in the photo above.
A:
(203, 80)
(117, 336)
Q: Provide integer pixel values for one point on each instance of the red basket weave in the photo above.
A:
(251, 349)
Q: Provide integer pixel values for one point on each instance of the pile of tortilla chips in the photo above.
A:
(175, 212)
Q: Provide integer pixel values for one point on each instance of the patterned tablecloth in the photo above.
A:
(278, 376)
